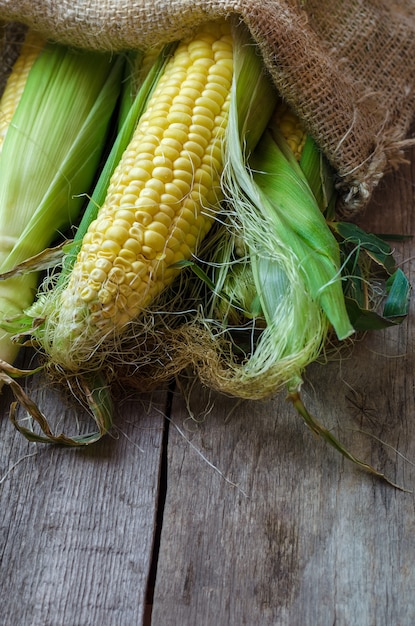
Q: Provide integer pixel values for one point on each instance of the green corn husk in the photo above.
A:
(48, 162)
(292, 211)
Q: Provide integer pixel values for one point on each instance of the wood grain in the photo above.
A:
(78, 525)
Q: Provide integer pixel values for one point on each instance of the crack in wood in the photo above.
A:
(161, 500)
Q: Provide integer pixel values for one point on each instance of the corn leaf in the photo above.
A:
(47, 259)
(254, 95)
(395, 308)
(318, 429)
(378, 249)
(198, 271)
(397, 303)
(367, 258)
(97, 397)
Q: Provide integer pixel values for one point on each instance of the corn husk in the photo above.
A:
(48, 162)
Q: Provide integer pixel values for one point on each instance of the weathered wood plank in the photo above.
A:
(304, 537)
(77, 525)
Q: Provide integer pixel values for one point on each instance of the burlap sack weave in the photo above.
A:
(346, 66)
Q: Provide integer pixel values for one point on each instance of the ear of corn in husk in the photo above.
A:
(288, 271)
(277, 274)
(291, 209)
(54, 133)
(161, 201)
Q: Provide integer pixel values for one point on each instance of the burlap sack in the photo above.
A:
(346, 66)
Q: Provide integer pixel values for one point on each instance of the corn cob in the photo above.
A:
(16, 82)
(162, 196)
(291, 128)
(52, 144)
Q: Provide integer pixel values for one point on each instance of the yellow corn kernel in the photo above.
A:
(30, 50)
(163, 194)
(291, 128)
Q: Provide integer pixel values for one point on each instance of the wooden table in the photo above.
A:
(239, 516)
